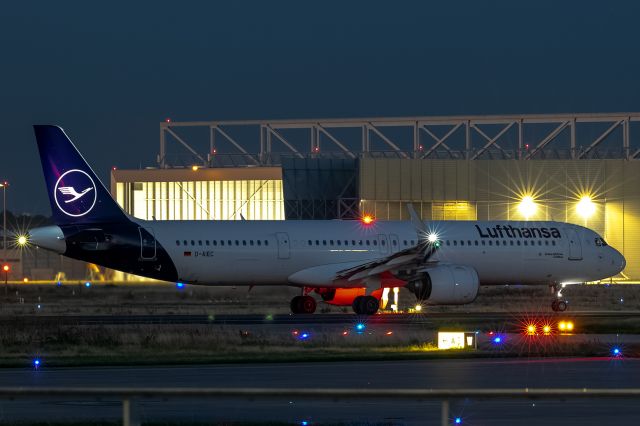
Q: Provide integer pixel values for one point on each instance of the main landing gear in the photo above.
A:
(558, 305)
(303, 305)
(365, 305)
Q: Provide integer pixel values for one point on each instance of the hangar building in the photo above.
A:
(578, 168)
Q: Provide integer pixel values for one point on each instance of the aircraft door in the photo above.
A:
(383, 242)
(284, 249)
(395, 243)
(147, 244)
(575, 247)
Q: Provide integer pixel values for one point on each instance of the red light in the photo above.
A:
(214, 151)
(389, 333)
(526, 146)
(6, 268)
(114, 168)
(367, 219)
(420, 147)
(316, 149)
(168, 120)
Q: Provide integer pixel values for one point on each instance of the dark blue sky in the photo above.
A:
(108, 72)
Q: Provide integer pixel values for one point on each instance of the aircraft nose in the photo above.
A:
(619, 261)
(622, 261)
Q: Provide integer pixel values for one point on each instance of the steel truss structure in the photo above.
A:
(521, 137)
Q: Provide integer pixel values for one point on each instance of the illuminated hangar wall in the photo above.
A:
(254, 193)
(494, 189)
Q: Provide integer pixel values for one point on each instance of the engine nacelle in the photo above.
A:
(446, 285)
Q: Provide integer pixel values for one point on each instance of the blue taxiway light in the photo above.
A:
(616, 352)
(304, 336)
(36, 363)
(458, 420)
(87, 284)
(180, 285)
(497, 339)
(360, 326)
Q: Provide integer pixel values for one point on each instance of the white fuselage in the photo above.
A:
(271, 252)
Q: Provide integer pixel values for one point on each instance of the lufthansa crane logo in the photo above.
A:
(75, 193)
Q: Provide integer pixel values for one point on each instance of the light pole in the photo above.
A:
(4, 185)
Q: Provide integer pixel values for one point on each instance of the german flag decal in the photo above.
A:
(187, 253)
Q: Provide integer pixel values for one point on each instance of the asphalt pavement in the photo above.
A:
(457, 374)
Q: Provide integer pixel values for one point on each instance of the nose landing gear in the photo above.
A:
(558, 304)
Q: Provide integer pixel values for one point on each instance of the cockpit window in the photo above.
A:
(600, 242)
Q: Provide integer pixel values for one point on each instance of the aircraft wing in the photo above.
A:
(411, 258)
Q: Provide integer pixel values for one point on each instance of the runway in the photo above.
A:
(495, 373)
(289, 319)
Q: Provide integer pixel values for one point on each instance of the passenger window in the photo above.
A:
(461, 242)
(330, 242)
(177, 242)
(193, 243)
(250, 242)
(526, 243)
(185, 242)
(215, 243)
(483, 242)
(447, 242)
(539, 242)
(221, 242)
(546, 242)
(260, 242)
(338, 242)
(360, 242)
(317, 242)
(346, 242)
(383, 242)
(511, 242)
(375, 242)
(476, 241)
(405, 242)
(266, 242)
(490, 242)
(353, 242)
(229, 242)
(518, 242)
(412, 243)
(394, 243)
(237, 242)
(207, 242)
(553, 243)
(310, 243)
(468, 242)
(324, 242)
(497, 243)
(200, 242)
(368, 242)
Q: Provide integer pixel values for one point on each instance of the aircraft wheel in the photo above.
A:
(296, 305)
(561, 305)
(357, 305)
(554, 305)
(307, 305)
(370, 305)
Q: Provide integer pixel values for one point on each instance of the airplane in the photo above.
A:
(343, 262)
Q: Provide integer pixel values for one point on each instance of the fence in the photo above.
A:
(129, 396)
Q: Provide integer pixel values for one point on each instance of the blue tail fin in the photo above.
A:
(76, 194)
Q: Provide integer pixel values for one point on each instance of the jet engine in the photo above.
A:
(446, 285)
